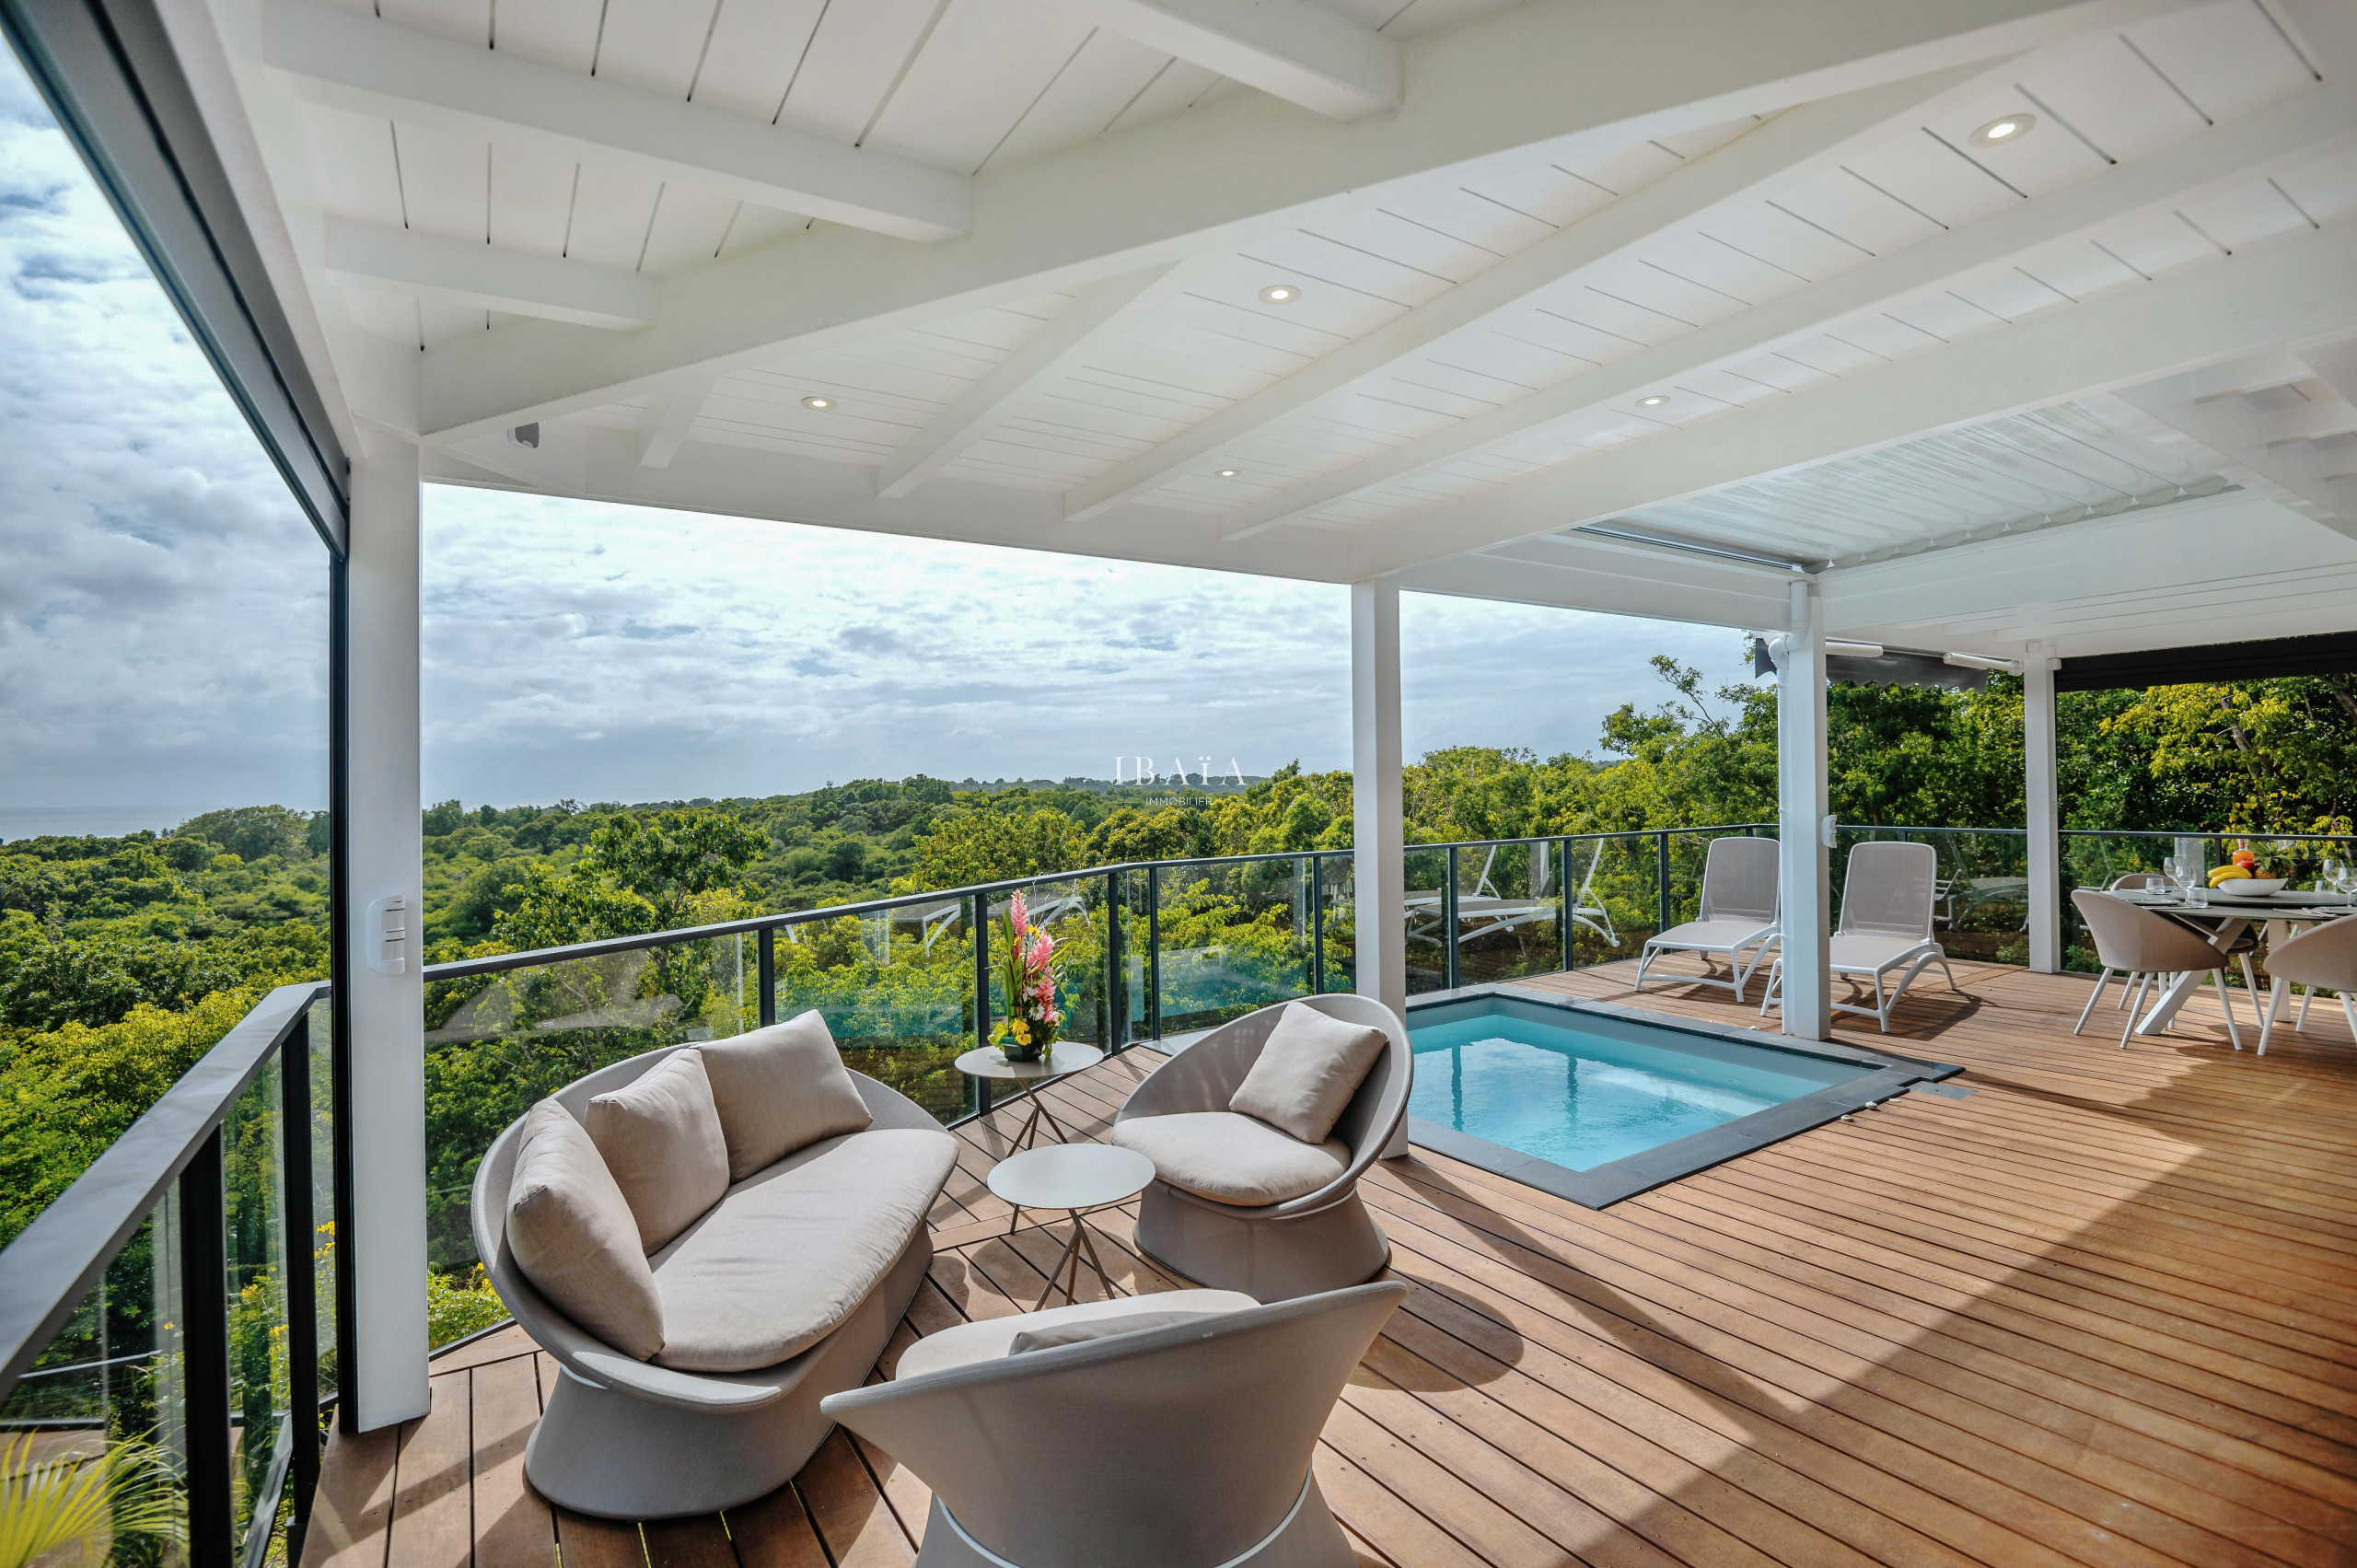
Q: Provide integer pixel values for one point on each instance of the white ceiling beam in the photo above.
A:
(352, 62)
(1286, 48)
(2132, 565)
(1593, 574)
(2252, 373)
(2312, 126)
(1789, 147)
(599, 463)
(1102, 308)
(2255, 447)
(2336, 365)
(2300, 287)
(461, 272)
(672, 415)
(1546, 80)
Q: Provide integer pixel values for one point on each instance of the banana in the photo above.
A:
(2228, 873)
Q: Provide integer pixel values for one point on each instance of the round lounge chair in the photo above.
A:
(1321, 1240)
(1180, 1441)
(628, 1439)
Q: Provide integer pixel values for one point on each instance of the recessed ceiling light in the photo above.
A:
(1997, 132)
(1279, 294)
(1653, 401)
(1227, 474)
(821, 404)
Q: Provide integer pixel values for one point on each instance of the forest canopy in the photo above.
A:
(122, 958)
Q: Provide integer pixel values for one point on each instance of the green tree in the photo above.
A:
(992, 847)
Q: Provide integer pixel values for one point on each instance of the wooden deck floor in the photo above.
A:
(2101, 1311)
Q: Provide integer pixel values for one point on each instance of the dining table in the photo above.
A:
(2223, 917)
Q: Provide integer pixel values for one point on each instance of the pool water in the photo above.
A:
(1582, 1090)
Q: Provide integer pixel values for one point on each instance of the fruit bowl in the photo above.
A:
(2248, 886)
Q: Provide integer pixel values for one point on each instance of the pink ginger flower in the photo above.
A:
(1018, 914)
(1042, 945)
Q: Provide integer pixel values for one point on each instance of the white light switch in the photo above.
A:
(387, 933)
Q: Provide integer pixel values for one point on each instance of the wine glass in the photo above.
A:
(2335, 872)
(2173, 871)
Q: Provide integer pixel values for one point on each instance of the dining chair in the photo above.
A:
(2142, 946)
(2322, 958)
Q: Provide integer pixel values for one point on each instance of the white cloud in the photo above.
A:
(163, 609)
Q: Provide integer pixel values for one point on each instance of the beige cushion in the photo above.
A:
(1230, 1158)
(780, 1089)
(989, 1339)
(790, 1254)
(660, 1138)
(1308, 1071)
(1050, 1336)
(571, 1234)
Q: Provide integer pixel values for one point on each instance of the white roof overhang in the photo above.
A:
(1631, 305)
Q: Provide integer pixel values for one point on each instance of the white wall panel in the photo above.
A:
(611, 210)
(351, 160)
(446, 182)
(1407, 243)
(2155, 243)
(2245, 214)
(1174, 86)
(655, 44)
(1859, 209)
(1293, 255)
(1933, 180)
(556, 32)
(757, 46)
(2226, 57)
(1711, 264)
(686, 229)
(1767, 233)
(2112, 97)
(854, 57)
(984, 64)
(1551, 195)
(2044, 158)
(531, 199)
(2325, 190)
(1094, 86)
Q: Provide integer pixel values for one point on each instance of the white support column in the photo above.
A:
(1378, 822)
(386, 879)
(1802, 816)
(2042, 799)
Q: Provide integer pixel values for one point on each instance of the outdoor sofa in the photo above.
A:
(733, 1229)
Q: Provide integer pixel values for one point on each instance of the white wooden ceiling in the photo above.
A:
(1659, 268)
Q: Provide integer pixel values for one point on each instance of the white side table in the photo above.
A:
(1073, 1178)
(1063, 1059)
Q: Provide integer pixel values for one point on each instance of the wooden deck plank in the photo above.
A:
(855, 1521)
(699, 1541)
(772, 1532)
(2101, 1311)
(433, 1520)
(513, 1525)
(354, 1499)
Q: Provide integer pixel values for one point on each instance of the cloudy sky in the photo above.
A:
(163, 611)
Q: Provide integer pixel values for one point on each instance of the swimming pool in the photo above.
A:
(1598, 1103)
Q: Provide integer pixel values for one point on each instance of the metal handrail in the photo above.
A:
(494, 963)
(53, 1263)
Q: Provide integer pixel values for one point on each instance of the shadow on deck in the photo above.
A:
(2103, 1310)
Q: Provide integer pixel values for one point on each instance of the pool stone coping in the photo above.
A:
(1609, 1183)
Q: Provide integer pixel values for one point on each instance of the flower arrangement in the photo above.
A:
(1027, 969)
